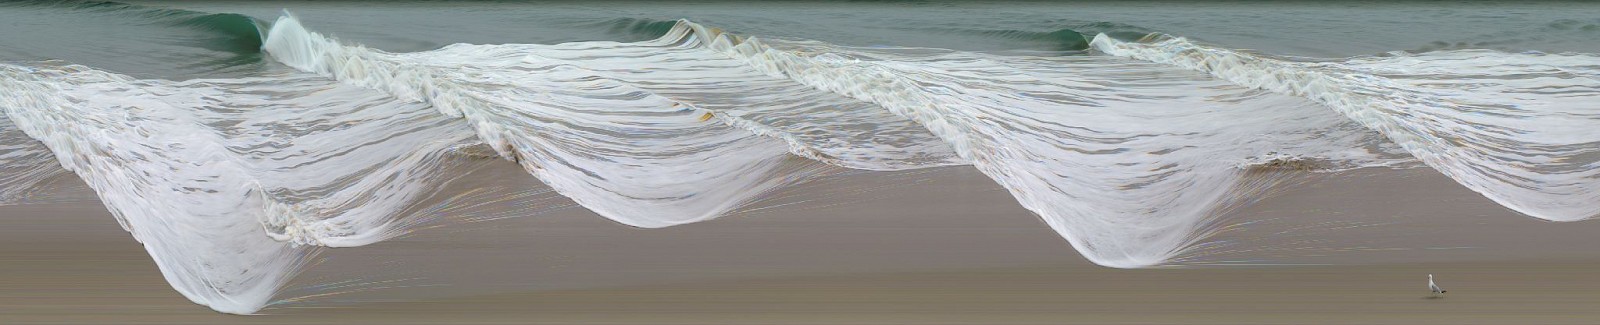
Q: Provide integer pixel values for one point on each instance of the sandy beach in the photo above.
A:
(940, 246)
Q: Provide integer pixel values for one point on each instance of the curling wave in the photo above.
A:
(228, 32)
(133, 39)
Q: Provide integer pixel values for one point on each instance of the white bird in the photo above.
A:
(1434, 287)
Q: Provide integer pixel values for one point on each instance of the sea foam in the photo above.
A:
(233, 184)
(1516, 127)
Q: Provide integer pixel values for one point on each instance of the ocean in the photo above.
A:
(236, 139)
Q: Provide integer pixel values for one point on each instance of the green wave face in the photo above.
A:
(639, 29)
(1067, 37)
(133, 39)
(234, 32)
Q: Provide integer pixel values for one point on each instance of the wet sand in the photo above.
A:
(943, 246)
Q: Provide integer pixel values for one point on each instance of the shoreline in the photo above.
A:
(941, 246)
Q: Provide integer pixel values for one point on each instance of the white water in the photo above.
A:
(25, 166)
(618, 127)
(1126, 160)
(1517, 127)
(221, 180)
(228, 182)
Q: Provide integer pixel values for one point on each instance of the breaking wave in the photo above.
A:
(228, 32)
(231, 184)
(1516, 127)
(133, 38)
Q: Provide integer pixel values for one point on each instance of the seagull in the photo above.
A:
(1434, 287)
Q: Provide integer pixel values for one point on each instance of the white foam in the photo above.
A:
(223, 181)
(1128, 161)
(617, 126)
(25, 166)
(1516, 127)
(229, 183)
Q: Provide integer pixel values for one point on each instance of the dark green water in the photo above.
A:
(186, 39)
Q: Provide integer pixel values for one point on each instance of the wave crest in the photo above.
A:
(1056, 134)
(233, 33)
(1516, 127)
(654, 94)
(231, 184)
